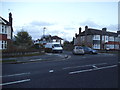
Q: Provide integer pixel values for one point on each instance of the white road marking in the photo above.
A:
(83, 66)
(74, 72)
(94, 66)
(15, 74)
(20, 81)
(35, 59)
(51, 71)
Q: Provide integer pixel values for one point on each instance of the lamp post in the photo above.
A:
(44, 31)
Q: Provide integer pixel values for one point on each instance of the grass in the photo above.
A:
(5, 61)
(36, 54)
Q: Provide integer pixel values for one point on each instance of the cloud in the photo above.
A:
(113, 27)
(89, 23)
(92, 24)
(35, 29)
(41, 23)
(69, 27)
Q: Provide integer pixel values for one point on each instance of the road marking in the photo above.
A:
(74, 72)
(35, 59)
(94, 66)
(83, 66)
(20, 81)
(15, 74)
(51, 71)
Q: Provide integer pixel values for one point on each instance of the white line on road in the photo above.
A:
(36, 59)
(15, 74)
(20, 81)
(74, 72)
(84, 66)
(51, 71)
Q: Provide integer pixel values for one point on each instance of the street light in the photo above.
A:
(44, 31)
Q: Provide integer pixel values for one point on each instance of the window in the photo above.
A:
(4, 29)
(4, 44)
(96, 46)
(111, 38)
(96, 37)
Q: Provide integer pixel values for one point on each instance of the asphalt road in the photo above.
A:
(87, 71)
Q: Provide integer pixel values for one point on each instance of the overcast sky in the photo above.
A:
(62, 18)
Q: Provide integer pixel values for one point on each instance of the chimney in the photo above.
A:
(10, 18)
(118, 32)
(86, 30)
(104, 29)
(80, 30)
(86, 27)
(76, 35)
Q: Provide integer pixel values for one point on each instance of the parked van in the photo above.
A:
(53, 47)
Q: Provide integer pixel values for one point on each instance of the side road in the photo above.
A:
(27, 59)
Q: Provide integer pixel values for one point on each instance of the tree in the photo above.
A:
(23, 39)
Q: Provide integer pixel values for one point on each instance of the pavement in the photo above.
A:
(26, 59)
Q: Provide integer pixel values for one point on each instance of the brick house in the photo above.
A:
(6, 32)
(98, 39)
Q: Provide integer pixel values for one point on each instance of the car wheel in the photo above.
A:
(91, 52)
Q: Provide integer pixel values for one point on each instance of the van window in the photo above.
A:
(57, 45)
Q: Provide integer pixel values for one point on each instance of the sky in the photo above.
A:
(61, 18)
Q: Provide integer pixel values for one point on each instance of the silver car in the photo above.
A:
(78, 50)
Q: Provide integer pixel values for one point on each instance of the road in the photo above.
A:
(77, 71)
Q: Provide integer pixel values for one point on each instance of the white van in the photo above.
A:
(53, 47)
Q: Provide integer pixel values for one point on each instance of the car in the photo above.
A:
(89, 50)
(78, 50)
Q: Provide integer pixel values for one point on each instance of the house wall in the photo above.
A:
(5, 35)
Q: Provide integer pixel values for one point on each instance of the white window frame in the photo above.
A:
(4, 29)
(111, 38)
(96, 37)
(4, 44)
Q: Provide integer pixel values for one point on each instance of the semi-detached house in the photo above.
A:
(6, 32)
(98, 39)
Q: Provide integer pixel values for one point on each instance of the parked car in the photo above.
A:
(78, 50)
(89, 50)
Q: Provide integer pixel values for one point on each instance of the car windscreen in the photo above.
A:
(57, 45)
(79, 48)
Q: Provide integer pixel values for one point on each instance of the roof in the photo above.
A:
(91, 31)
(5, 21)
(56, 37)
